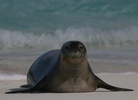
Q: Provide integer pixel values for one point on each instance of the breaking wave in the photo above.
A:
(92, 37)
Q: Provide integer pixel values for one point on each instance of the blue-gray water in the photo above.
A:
(47, 24)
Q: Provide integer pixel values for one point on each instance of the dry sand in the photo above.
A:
(128, 81)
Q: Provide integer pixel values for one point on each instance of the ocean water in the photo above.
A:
(47, 24)
(34, 26)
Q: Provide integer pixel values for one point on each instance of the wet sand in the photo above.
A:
(101, 61)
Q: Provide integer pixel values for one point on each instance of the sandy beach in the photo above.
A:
(121, 80)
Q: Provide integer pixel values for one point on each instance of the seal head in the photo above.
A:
(74, 52)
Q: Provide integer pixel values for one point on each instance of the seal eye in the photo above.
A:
(81, 47)
(66, 47)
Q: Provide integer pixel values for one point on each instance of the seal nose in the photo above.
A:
(73, 50)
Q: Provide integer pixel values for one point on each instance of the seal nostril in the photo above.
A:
(74, 50)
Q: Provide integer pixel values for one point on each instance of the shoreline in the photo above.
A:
(102, 61)
(18, 77)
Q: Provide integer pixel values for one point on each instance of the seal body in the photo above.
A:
(65, 70)
(44, 67)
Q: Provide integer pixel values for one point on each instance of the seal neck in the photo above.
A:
(73, 70)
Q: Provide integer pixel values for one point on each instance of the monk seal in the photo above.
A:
(66, 71)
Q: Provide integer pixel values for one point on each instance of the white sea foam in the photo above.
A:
(125, 73)
(4, 77)
(90, 36)
(12, 77)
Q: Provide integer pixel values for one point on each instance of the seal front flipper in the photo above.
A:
(28, 90)
(102, 84)
(21, 91)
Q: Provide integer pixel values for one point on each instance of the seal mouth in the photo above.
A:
(73, 58)
(73, 54)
